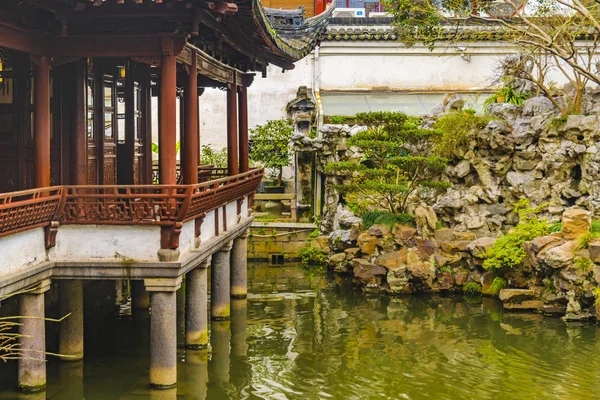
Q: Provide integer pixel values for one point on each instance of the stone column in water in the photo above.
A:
(32, 365)
(220, 283)
(196, 308)
(239, 268)
(70, 344)
(163, 332)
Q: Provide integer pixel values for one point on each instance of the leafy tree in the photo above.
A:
(565, 33)
(397, 161)
(271, 146)
(212, 157)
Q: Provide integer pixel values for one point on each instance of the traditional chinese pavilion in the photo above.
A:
(78, 195)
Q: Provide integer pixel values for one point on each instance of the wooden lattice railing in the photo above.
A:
(28, 209)
(205, 173)
(162, 205)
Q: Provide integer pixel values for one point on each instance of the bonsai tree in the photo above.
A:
(397, 162)
(271, 148)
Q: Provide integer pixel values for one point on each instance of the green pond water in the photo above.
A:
(300, 337)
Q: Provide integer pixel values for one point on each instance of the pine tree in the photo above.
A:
(397, 162)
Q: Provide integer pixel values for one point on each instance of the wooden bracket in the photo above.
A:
(223, 7)
(50, 232)
(169, 236)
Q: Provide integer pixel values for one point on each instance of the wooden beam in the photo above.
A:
(113, 45)
(16, 38)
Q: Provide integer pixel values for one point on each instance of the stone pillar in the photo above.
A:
(191, 138)
(220, 291)
(243, 114)
(196, 317)
(163, 332)
(32, 340)
(70, 344)
(42, 122)
(140, 297)
(232, 128)
(167, 140)
(181, 296)
(239, 323)
(239, 268)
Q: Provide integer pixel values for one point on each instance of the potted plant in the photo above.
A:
(271, 148)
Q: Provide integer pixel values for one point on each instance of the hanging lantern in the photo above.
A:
(1, 71)
(122, 72)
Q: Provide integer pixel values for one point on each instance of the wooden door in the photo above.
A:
(108, 165)
(94, 110)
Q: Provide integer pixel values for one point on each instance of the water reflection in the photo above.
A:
(299, 337)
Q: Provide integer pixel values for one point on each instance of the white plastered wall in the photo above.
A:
(106, 243)
(21, 250)
(231, 214)
(207, 230)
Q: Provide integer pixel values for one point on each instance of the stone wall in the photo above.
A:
(555, 277)
(524, 152)
(270, 241)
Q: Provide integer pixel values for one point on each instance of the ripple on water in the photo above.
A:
(318, 342)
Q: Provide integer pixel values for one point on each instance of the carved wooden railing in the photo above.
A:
(205, 173)
(152, 204)
(209, 195)
(125, 205)
(28, 209)
(167, 206)
(209, 173)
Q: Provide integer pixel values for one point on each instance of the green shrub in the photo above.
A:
(583, 241)
(497, 284)
(559, 122)
(456, 129)
(508, 251)
(596, 294)
(381, 217)
(311, 255)
(583, 264)
(472, 288)
(210, 156)
(556, 227)
(314, 234)
(337, 119)
(595, 227)
(444, 269)
(506, 94)
(549, 285)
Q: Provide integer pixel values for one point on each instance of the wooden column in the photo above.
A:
(232, 142)
(78, 156)
(191, 132)
(167, 141)
(243, 112)
(42, 122)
